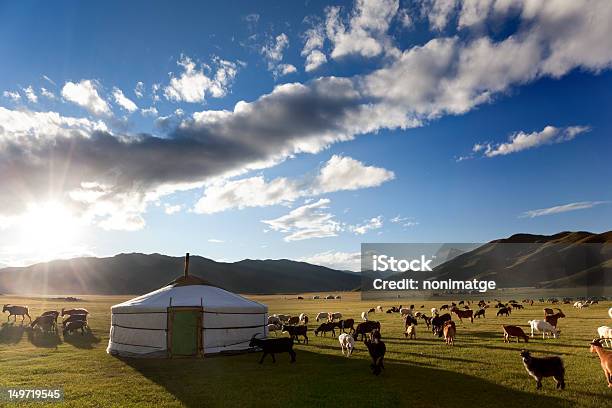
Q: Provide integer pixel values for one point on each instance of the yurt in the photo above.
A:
(186, 318)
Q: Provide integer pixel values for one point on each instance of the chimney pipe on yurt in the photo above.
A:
(186, 265)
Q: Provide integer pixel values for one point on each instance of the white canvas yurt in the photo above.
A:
(186, 318)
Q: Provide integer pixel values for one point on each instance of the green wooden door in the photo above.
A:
(185, 332)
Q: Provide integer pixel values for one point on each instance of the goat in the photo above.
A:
(274, 320)
(295, 331)
(544, 327)
(463, 313)
(379, 309)
(75, 318)
(321, 316)
(333, 316)
(372, 310)
(70, 312)
(272, 327)
(434, 311)
(346, 324)
(303, 318)
(53, 313)
(553, 318)
(480, 312)
(427, 320)
(70, 327)
(14, 310)
(283, 318)
(605, 358)
(444, 307)
(293, 320)
(326, 327)
(450, 330)
(514, 331)
(503, 311)
(547, 311)
(46, 323)
(405, 311)
(610, 312)
(540, 367)
(365, 328)
(605, 334)
(273, 346)
(437, 323)
(364, 316)
(377, 349)
(410, 332)
(315, 297)
(347, 342)
(409, 320)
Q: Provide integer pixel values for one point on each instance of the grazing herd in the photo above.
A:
(72, 319)
(441, 325)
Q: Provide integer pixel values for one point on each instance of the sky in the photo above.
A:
(299, 130)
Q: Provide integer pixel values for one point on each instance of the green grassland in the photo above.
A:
(479, 371)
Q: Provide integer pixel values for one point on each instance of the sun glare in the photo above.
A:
(48, 230)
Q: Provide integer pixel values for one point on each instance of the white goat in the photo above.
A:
(434, 311)
(605, 333)
(347, 342)
(379, 309)
(321, 316)
(303, 317)
(544, 327)
(364, 316)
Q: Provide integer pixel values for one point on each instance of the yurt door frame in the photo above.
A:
(185, 331)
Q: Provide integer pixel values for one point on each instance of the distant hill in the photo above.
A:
(140, 273)
(549, 261)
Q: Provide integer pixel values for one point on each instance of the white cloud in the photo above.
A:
(172, 209)
(368, 225)
(155, 88)
(150, 111)
(349, 261)
(338, 174)
(404, 221)
(123, 101)
(439, 12)
(216, 241)
(49, 80)
(273, 53)
(139, 89)
(366, 32)
(47, 93)
(306, 222)
(30, 94)
(582, 205)
(313, 45)
(523, 141)
(314, 60)
(13, 96)
(85, 94)
(193, 85)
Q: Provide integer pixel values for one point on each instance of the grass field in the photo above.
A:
(479, 371)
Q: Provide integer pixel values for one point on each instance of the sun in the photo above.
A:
(48, 230)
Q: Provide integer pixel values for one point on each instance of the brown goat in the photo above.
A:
(450, 330)
(553, 318)
(15, 311)
(605, 358)
(514, 331)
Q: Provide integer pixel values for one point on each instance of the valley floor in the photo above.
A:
(479, 371)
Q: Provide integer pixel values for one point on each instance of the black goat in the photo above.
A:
(273, 346)
(437, 323)
(346, 324)
(409, 320)
(377, 349)
(503, 311)
(480, 312)
(365, 328)
(295, 331)
(540, 367)
(427, 320)
(326, 327)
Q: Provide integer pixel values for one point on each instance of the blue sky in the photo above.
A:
(299, 130)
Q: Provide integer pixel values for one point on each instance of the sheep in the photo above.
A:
(605, 358)
(273, 346)
(605, 334)
(514, 331)
(463, 313)
(377, 349)
(437, 323)
(410, 332)
(274, 320)
(379, 309)
(364, 316)
(540, 367)
(295, 331)
(75, 325)
(321, 316)
(70, 312)
(480, 312)
(544, 327)
(15, 310)
(365, 328)
(347, 342)
(46, 323)
(503, 311)
(326, 327)
(272, 327)
(450, 330)
(553, 318)
(333, 316)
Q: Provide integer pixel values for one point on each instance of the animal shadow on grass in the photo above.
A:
(11, 333)
(83, 341)
(44, 339)
(315, 378)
